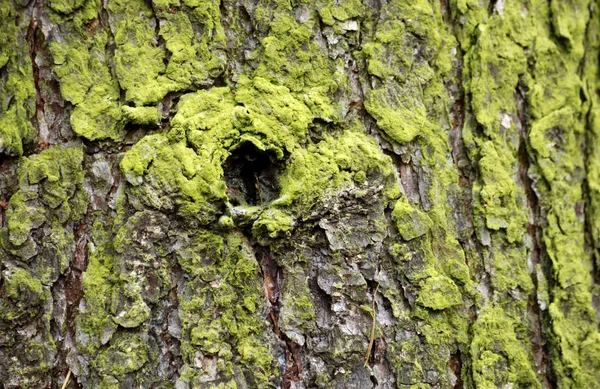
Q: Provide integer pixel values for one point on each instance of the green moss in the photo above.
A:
(138, 59)
(86, 81)
(24, 214)
(260, 112)
(508, 270)
(62, 244)
(66, 6)
(142, 115)
(410, 221)
(58, 175)
(126, 354)
(127, 305)
(220, 307)
(400, 101)
(58, 171)
(401, 121)
(94, 322)
(182, 170)
(499, 357)
(439, 292)
(272, 223)
(198, 256)
(196, 59)
(290, 55)
(493, 66)
(549, 38)
(172, 177)
(570, 22)
(331, 11)
(318, 172)
(297, 309)
(17, 90)
(501, 200)
(22, 286)
(226, 222)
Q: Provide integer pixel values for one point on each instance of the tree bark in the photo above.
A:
(299, 194)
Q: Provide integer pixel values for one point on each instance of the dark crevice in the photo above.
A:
(456, 365)
(8, 184)
(458, 117)
(70, 285)
(374, 355)
(534, 230)
(172, 357)
(35, 42)
(251, 176)
(220, 81)
(589, 146)
(409, 179)
(446, 11)
(491, 6)
(318, 129)
(272, 276)
(374, 380)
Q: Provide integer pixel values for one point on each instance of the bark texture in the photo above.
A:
(299, 194)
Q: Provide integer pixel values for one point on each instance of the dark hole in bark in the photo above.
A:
(251, 175)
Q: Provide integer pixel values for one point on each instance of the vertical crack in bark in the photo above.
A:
(533, 229)
(51, 108)
(35, 46)
(70, 286)
(173, 345)
(446, 11)
(456, 366)
(588, 139)
(491, 6)
(272, 276)
(458, 109)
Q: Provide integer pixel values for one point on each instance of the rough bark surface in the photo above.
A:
(299, 194)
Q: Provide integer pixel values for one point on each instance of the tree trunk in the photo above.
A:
(305, 194)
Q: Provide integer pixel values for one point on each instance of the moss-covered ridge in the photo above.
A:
(532, 52)
(36, 247)
(17, 90)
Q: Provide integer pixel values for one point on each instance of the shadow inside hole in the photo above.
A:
(251, 176)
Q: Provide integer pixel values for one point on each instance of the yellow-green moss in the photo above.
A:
(195, 59)
(57, 172)
(24, 213)
(318, 172)
(272, 223)
(126, 354)
(541, 44)
(172, 177)
(166, 174)
(21, 285)
(331, 11)
(410, 221)
(17, 90)
(499, 357)
(439, 292)
(87, 82)
(94, 322)
(141, 115)
(297, 307)
(290, 55)
(220, 308)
